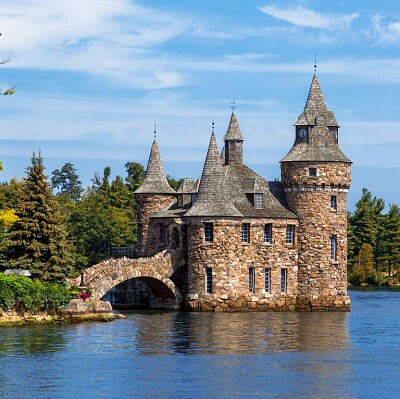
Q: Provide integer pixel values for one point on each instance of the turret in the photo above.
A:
(316, 178)
(233, 139)
(151, 197)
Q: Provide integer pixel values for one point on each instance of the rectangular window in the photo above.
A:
(258, 200)
(312, 172)
(290, 234)
(246, 232)
(209, 280)
(140, 232)
(268, 233)
(283, 280)
(193, 198)
(208, 232)
(333, 247)
(267, 272)
(333, 202)
(251, 279)
(161, 234)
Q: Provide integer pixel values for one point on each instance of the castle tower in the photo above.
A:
(233, 143)
(151, 197)
(316, 178)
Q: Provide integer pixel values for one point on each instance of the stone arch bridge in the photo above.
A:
(157, 272)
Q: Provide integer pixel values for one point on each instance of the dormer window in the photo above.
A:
(180, 201)
(258, 200)
(312, 172)
(193, 198)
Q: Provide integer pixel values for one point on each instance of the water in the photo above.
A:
(180, 355)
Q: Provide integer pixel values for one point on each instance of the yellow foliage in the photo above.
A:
(7, 217)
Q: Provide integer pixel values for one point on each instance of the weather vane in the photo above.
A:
(315, 63)
(233, 105)
(212, 124)
(155, 129)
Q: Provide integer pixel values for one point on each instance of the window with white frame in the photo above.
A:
(267, 275)
(268, 233)
(283, 280)
(208, 232)
(333, 202)
(251, 279)
(208, 280)
(290, 234)
(258, 200)
(246, 232)
(333, 240)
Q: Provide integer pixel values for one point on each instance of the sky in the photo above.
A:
(92, 76)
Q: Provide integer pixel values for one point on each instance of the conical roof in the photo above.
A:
(315, 100)
(155, 181)
(233, 132)
(212, 197)
(320, 145)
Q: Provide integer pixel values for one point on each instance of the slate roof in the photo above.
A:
(155, 181)
(188, 186)
(213, 196)
(321, 146)
(233, 132)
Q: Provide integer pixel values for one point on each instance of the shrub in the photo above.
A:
(23, 294)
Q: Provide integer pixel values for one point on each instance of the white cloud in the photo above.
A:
(307, 18)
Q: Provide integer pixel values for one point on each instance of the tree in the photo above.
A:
(103, 218)
(38, 240)
(67, 182)
(174, 183)
(363, 270)
(135, 172)
(391, 238)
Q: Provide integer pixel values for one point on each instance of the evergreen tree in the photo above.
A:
(391, 238)
(38, 240)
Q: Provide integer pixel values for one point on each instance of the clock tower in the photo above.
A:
(316, 178)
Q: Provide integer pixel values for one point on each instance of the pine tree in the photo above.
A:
(391, 238)
(38, 240)
(363, 269)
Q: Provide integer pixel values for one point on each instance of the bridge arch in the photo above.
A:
(154, 271)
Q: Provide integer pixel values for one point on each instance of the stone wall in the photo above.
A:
(230, 260)
(322, 280)
(147, 205)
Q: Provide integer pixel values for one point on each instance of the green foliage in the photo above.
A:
(67, 182)
(373, 239)
(38, 240)
(174, 183)
(135, 175)
(23, 294)
(103, 218)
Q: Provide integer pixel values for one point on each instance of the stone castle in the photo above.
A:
(241, 242)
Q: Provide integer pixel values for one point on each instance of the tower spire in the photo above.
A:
(155, 181)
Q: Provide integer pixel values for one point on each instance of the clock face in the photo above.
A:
(302, 133)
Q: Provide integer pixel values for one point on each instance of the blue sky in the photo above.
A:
(92, 76)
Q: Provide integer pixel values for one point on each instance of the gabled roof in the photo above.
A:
(188, 186)
(233, 132)
(213, 195)
(155, 181)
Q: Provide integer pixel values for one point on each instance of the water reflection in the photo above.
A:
(239, 333)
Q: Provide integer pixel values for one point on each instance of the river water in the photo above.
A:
(203, 355)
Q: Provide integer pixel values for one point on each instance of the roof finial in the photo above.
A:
(212, 129)
(315, 62)
(155, 129)
(233, 105)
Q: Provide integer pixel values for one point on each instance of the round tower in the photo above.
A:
(316, 178)
(154, 195)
